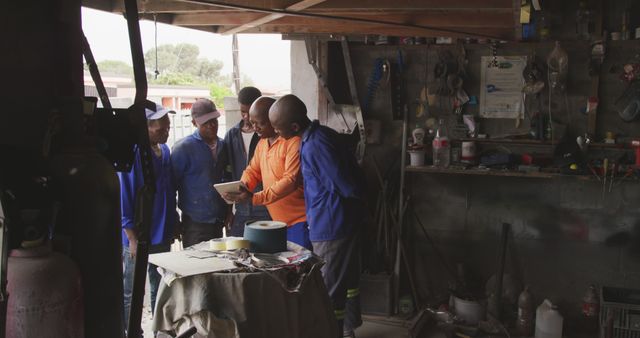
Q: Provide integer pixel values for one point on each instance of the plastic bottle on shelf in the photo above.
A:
(584, 21)
(441, 147)
(524, 324)
(543, 26)
(590, 309)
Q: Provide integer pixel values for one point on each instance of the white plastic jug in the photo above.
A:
(548, 321)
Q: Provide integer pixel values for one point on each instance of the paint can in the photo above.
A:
(468, 152)
(266, 236)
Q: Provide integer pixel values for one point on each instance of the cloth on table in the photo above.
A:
(208, 326)
(259, 303)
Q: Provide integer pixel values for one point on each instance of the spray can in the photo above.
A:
(524, 324)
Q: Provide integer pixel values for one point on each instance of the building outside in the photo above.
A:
(121, 91)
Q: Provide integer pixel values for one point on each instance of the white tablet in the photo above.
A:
(228, 187)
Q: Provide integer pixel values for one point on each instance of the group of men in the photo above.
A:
(293, 170)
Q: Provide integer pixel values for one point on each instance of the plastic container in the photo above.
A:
(548, 321)
(441, 147)
(416, 157)
(418, 136)
(470, 311)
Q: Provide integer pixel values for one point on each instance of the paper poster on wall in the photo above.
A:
(501, 85)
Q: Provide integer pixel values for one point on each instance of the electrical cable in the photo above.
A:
(155, 27)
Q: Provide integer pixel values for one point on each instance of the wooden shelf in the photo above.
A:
(494, 172)
(528, 142)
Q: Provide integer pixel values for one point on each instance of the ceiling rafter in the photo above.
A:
(297, 7)
(494, 19)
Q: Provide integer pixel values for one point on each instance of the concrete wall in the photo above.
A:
(304, 82)
(566, 235)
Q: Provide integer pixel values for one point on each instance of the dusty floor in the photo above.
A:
(369, 329)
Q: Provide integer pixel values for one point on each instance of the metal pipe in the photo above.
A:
(137, 55)
(501, 262)
(342, 18)
(95, 73)
(403, 161)
(144, 195)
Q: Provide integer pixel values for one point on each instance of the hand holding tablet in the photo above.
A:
(232, 192)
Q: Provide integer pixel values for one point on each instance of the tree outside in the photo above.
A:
(180, 64)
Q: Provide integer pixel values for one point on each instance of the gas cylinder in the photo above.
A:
(89, 193)
(45, 295)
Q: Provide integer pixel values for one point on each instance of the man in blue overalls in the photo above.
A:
(164, 215)
(334, 198)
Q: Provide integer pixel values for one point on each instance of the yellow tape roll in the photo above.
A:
(234, 244)
(217, 245)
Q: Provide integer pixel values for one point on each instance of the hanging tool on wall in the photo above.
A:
(598, 54)
(397, 87)
(355, 101)
(311, 45)
(534, 84)
(379, 78)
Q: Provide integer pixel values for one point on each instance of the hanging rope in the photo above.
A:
(155, 25)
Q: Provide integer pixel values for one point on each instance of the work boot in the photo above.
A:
(348, 334)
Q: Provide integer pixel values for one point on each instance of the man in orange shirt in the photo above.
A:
(275, 163)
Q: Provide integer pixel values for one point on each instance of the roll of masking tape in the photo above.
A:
(266, 236)
(217, 244)
(234, 244)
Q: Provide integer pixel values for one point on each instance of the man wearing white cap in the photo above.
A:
(164, 215)
(199, 161)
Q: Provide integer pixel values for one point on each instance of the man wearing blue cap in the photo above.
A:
(199, 161)
(164, 216)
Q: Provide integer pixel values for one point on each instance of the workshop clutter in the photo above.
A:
(619, 313)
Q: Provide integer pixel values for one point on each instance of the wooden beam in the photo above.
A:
(102, 5)
(180, 6)
(215, 18)
(370, 29)
(434, 18)
(297, 7)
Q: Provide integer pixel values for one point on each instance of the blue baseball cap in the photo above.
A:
(159, 113)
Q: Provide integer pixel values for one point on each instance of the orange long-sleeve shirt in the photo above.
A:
(278, 167)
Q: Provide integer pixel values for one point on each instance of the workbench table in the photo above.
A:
(247, 305)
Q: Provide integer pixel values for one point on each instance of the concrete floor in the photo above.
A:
(367, 330)
(379, 330)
